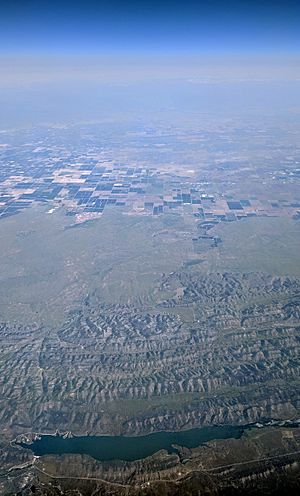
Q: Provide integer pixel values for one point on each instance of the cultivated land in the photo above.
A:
(175, 306)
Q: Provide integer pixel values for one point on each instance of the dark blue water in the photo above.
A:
(130, 448)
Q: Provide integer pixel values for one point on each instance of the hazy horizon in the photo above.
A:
(82, 60)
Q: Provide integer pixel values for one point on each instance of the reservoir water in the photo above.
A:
(106, 448)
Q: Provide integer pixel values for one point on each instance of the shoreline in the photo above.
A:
(27, 440)
(259, 424)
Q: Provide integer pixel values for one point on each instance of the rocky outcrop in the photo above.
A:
(225, 350)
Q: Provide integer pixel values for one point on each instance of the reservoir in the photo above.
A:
(106, 448)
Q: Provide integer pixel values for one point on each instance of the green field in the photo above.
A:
(270, 245)
(48, 268)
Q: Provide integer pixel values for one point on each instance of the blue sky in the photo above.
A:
(64, 59)
(106, 26)
(126, 41)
